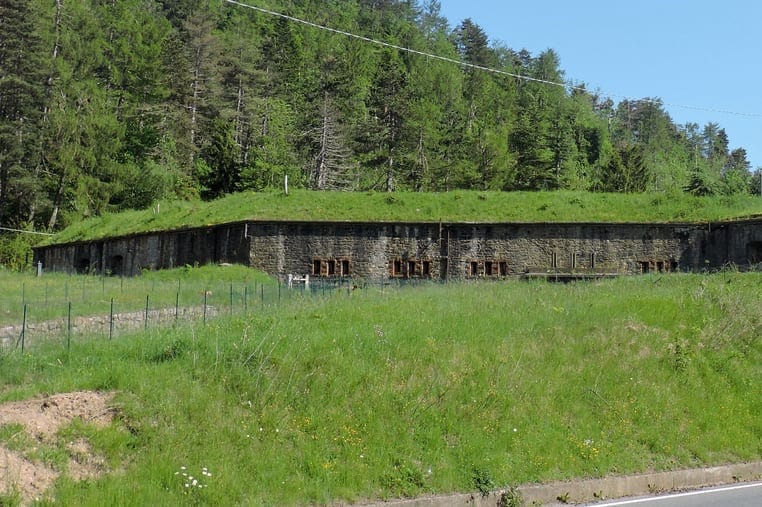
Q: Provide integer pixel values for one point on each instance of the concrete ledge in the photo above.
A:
(594, 490)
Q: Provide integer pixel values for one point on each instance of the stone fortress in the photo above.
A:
(377, 251)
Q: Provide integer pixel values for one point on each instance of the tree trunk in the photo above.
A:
(56, 203)
(194, 103)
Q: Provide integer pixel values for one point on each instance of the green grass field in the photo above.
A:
(47, 297)
(458, 206)
(440, 388)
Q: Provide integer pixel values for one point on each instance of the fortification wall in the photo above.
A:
(363, 250)
(377, 251)
(421, 250)
(738, 243)
(573, 248)
(128, 255)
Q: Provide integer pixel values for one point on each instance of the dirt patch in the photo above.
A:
(22, 472)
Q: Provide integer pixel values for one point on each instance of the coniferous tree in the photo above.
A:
(21, 96)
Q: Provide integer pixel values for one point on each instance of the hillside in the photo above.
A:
(385, 393)
(459, 206)
(111, 106)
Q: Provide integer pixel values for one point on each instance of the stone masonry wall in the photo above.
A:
(738, 243)
(128, 255)
(362, 250)
(378, 251)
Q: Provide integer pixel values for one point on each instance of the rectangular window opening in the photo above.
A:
(488, 268)
(345, 267)
(397, 267)
(474, 268)
(317, 265)
(645, 267)
(410, 268)
(426, 268)
(331, 265)
(503, 266)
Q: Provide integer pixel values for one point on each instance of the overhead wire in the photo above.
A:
(475, 66)
(25, 232)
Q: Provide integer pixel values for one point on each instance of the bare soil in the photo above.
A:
(41, 417)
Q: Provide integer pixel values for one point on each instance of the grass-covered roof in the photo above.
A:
(458, 206)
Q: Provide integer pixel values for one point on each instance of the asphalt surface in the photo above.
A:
(739, 495)
(734, 485)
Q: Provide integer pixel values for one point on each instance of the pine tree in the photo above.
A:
(21, 96)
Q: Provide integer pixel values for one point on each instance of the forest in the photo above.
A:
(109, 105)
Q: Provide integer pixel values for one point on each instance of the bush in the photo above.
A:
(15, 251)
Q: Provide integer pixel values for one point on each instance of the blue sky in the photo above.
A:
(707, 55)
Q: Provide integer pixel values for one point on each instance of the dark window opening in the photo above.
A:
(645, 267)
(410, 268)
(397, 267)
(754, 252)
(554, 260)
(474, 268)
(426, 268)
(660, 266)
(503, 267)
(488, 268)
(317, 267)
(592, 260)
(83, 266)
(331, 267)
(116, 264)
(345, 267)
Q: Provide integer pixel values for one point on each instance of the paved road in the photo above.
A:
(739, 495)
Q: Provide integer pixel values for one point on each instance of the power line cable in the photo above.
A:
(474, 66)
(25, 232)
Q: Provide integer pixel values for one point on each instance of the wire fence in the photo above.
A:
(64, 309)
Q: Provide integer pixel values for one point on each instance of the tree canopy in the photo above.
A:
(109, 105)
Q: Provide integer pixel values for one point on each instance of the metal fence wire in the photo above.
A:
(92, 307)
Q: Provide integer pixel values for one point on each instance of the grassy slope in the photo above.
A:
(452, 206)
(434, 389)
(47, 297)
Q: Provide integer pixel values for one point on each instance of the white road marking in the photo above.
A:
(677, 495)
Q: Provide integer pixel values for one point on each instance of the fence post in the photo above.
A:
(206, 292)
(177, 305)
(245, 298)
(68, 328)
(145, 320)
(231, 298)
(23, 330)
(263, 293)
(111, 321)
